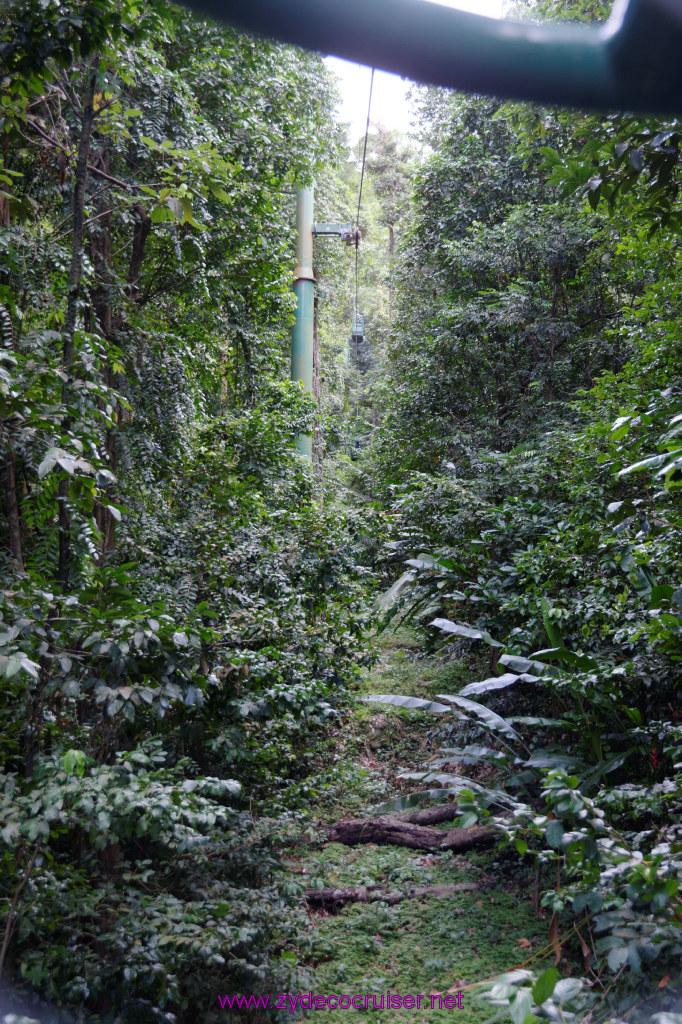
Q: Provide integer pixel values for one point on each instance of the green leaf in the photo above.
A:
(520, 1006)
(566, 989)
(553, 634)
(49, 462)
(74, 762)
(587, 900)
(618, 956)
(159, 214)
(544, 986)
(620, 428)
(554, 833)
(552, 158)
(550, 759)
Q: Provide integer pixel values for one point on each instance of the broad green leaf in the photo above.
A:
(550, 759)
(566, 657)
(459, 782)
(652, 462)
(386, 601)
(498, 683)
(518, 664)
(403, 803)
(407, 702)
(493, 722)
(547, 722)
(462, 629)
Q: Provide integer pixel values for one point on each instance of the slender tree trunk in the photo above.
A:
(12, 509)
(73, 296)
(102, 305)
(4, 201)
(11, 494)
(248, 370)
(100, 234)
(143, 226)
(391, 272)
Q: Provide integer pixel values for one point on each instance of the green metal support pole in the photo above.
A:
(304, 287)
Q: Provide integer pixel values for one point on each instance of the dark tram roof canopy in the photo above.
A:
(631, 63)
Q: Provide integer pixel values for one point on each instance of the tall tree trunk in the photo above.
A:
(12, 509)
(143, 226)
(100, 234)
(102, 305)
(73, 296)
(11, 494)
(248, 369)
(4, 201)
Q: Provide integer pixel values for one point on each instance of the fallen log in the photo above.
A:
(335, 898)
(431, 815)
(394, 831)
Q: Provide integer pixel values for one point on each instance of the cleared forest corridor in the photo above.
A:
(431, 945)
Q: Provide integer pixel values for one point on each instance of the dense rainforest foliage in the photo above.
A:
(180, 612)
(186, 605)
(529, 448)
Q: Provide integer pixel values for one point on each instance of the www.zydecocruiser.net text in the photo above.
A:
(360, 1001)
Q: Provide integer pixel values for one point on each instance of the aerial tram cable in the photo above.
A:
(358, 324)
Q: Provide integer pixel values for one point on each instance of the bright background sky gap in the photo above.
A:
(389, 99)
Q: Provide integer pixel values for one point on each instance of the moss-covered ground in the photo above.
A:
(435, 946)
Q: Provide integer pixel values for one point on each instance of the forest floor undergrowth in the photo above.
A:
(433, 946)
